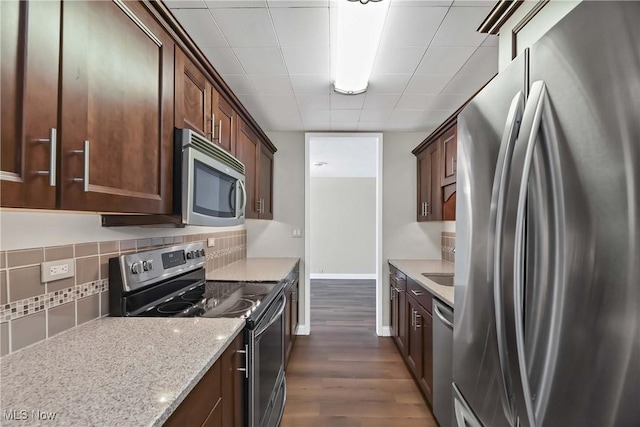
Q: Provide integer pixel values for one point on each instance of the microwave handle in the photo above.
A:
(244, 198)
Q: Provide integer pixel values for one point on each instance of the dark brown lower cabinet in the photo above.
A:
(217, 400)
(412, 328)
(290, 319)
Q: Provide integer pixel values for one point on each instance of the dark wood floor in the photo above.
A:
(344, 375)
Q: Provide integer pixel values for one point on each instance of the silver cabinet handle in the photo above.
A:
(219, 132)
(413, 319)
(416, 293)
(246, 360)
(53, 141)
(418, 317)
(453, 164)
(85, 153)
(212, 134)
(427, 209)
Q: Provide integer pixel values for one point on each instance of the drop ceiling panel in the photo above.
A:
(311, 83)
(266, 60)
(388, 83)
(398, 60)
(239, 84)
(444, 60)
(225, 4)
(448, 102)
(345, 115)
(298, 3)
(379, 116)
(201, 26)
(316, 115)
(459, 27)
(428, 83)
(246, 27)
(185, 4)
(301, 27)
(313, 102)
(415, 101)
(412, 26)
(381, 102)
(421, 3)
(272, 84)
(302, 60)
(347, 102)
(223, 60)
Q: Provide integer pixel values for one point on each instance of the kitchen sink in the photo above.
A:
(440, 279)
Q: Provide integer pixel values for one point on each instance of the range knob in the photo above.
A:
(136, 268)
(201, 252)
(190, 255)
(147, 265)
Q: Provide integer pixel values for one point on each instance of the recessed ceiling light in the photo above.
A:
(360, 25)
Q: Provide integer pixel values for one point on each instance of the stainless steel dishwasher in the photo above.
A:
(442, 363)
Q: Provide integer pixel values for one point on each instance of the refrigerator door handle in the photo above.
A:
(509, 137)
(539, 115)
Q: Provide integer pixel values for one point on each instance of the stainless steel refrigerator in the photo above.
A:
(547, 283)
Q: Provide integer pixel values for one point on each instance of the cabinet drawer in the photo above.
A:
(420, 294)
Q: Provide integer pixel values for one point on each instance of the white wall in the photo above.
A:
(275, 238)
(343, 226)
(403, 236)
(22, 229)
(546, 18)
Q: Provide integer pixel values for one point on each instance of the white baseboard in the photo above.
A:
(386, 331)
(330, 276)
(302, 330)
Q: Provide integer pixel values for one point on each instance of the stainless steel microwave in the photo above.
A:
(212, 190)
(208, 187)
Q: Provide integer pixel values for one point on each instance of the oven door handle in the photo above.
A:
(274, 318)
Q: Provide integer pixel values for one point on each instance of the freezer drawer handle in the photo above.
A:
(441, 316)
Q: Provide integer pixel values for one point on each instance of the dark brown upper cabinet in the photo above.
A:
(223, 118)
(193, 96)
(257, 158)
(116, 109)
(437, 165)
(30, 47)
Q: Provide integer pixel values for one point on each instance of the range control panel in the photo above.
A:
(145, 268)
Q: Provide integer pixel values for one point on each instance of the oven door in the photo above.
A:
(213, 194)
(266, 380)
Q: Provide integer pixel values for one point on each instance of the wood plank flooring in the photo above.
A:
(343, 375)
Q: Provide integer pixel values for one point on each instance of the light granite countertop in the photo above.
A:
(255, 270)
(113, 371)
(414, 269)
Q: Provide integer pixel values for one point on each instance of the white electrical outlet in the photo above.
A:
(297, 232)
(211, 242)
(57, 270)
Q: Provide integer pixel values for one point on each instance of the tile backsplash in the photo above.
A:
(31, 311)
(448, 245)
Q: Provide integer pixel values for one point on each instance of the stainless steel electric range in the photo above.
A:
(170, 282)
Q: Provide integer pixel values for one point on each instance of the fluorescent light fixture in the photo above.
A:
(359, 31)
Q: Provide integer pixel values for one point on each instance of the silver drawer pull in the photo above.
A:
(246, 360)
(85, 153)
(416, 293)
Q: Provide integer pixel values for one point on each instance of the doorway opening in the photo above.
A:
(343, 219)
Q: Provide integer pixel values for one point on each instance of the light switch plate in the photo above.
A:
(211, 242)
(55, 270)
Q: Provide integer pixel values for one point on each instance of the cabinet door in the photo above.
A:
(294, 311)
(414, 338)
(30, 47)
(265, 185)
(247, 147)
(449, 156)
(224, 117)
(423, 185)
(232, 383)
(425, 325)
(434, 190)
(404, 321)
(449, 202)
(192, 96)
(117, 109)
(393, 308)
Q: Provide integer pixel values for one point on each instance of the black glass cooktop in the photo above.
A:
(215, 299)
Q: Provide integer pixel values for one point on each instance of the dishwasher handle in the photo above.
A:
(438, 310)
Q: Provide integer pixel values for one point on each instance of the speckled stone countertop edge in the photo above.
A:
(162, 418)
(409, 267)
(260, 269)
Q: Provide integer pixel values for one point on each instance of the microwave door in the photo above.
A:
(241, 198)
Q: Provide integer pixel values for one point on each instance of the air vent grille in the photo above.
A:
(202, 144)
